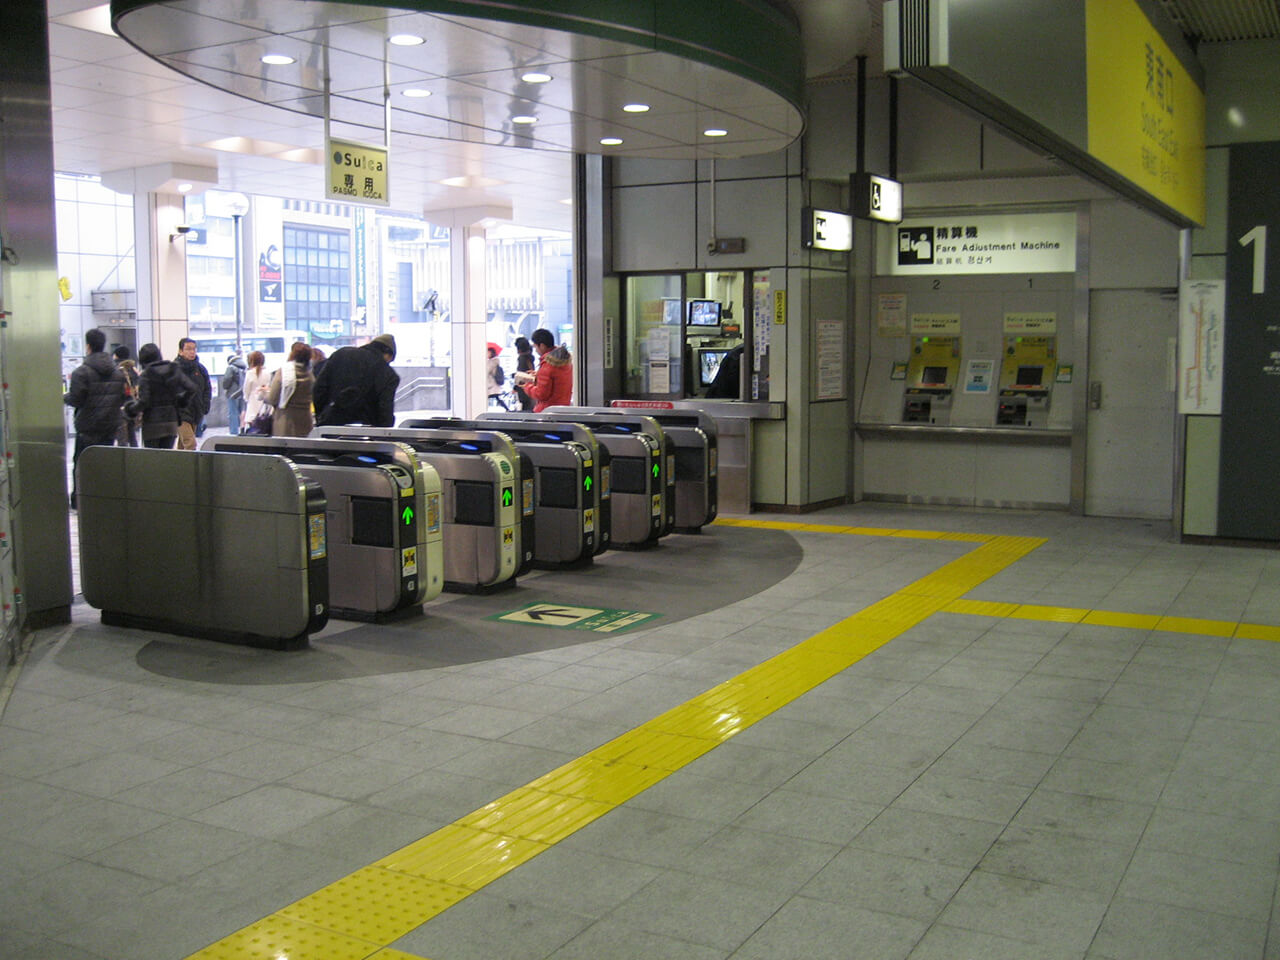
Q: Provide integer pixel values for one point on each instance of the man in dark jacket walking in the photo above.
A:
(96, 393)
(191, 415)
(357, 385)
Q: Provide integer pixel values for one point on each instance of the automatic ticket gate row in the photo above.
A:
(694, 436)
(476, 443)
(571, 484)
(641, 505)
(383, 519)
(477, 512)
(229, 548)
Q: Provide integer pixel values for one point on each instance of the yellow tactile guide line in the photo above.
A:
(358, 916)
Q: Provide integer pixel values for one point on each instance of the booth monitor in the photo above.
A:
(709, 365)
(704, 313)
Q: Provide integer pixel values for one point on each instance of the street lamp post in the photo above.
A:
(238, 205)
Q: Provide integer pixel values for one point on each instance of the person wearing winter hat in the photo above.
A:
(357, 385)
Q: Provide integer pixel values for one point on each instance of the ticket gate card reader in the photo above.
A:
(1027, 372)
(383, 516)
(176, 540)
(932, 372)
(463, 442)
(541, 439)
(694, 435)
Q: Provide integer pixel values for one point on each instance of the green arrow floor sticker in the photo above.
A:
(567, 617)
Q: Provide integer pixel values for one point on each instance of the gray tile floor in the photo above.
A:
(977, 788)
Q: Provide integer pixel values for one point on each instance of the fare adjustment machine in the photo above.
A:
(932, 372)
(1027, 372)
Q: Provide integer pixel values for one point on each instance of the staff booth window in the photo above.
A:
(681, 329)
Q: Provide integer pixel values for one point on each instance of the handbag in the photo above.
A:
(260, 426)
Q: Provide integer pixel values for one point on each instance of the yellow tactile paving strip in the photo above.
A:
(1113, 618)
(360, 915)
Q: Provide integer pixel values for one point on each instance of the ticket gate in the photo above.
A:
(227, 548)
(572, 483)
(693, 434)
(385, 539)
(643, 507)
(464, 442)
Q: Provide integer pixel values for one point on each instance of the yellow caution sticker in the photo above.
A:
(409, 562)
(588, 521)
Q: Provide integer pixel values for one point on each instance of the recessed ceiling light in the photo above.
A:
(277, 59)
(536, 77)
(524, 119)
(415, 92)
(184, 188)
(635, 108)
(406, 39)
(715, 132)
(470, 181)
(567, 201)
(610, 141)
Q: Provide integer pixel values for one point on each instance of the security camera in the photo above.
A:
(182, 228)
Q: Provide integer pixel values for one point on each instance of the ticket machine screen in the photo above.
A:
(933, 376)
(1030, 376)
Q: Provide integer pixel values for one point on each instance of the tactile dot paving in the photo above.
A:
(375, 904)
(278, 936)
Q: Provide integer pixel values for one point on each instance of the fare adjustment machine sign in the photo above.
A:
(357, 173)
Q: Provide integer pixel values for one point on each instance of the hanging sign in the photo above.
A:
(357, 172)
(1014, 243)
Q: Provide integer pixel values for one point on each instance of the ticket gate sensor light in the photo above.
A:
(583, 505)
(463, 442)
(932, 372)
(386, 541)
(694, 435)
(227, 548)
(1027, 372)
(642, 506)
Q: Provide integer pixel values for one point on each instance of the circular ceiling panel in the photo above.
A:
(527, 73)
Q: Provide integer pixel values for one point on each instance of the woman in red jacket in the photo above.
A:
(552, 384)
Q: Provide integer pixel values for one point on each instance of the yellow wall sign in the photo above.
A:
(357, 172)
(1146, 112)
(779, 306)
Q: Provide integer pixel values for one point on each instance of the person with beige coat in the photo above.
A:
(290, 395)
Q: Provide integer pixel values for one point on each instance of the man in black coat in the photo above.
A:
(191, 415)
(357, 385)
(96, 393)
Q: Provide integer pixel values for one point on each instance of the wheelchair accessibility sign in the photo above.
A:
(575, 618)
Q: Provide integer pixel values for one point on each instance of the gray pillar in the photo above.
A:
(30, 354)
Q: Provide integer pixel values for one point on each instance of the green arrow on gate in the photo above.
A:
(586, 483)
(655, 471)
(506, 496)
(407, 515)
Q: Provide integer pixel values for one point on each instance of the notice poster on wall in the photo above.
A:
(978, 375)
(1031, 324)
(829, 360)
(659, 376)
(1201, 305)
(891, 314)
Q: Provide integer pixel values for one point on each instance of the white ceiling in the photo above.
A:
(115, 108)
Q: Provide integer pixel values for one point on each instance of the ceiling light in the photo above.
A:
(277, 59)
(470, 181)
(610, 141)
(635, 108)
(567, 201)
(184, 188)
(415, 92)
(715, 132)
(523, 119)
(406, 39)
(535, 77)
(1235, 116)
